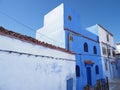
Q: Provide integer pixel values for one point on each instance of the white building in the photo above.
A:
(53, 27)
(117, 48)
(117, 56)
(107, 50)
(29, 64)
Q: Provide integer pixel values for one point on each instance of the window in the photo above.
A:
(70, 37)
(107, 37)
(97, 69)
(69, 18)
(104, 50)
(95, 50)
(77, 71)
(85, 47)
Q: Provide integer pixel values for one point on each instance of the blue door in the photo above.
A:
(89, 76)
(70, 84)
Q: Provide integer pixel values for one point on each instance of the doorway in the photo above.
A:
(70, 84)
(89, 78)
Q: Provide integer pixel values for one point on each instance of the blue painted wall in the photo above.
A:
(76, 44)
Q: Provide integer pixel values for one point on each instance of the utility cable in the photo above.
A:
(29, 28)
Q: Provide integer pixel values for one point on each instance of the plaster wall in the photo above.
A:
(53, 31)
(19, 71)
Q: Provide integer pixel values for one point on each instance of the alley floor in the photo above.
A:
(114, 84)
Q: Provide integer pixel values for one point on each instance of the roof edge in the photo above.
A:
(105, 29)
(25, 38)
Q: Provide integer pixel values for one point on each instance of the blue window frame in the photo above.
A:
(97, 69)
(94, 50)
(85, 47)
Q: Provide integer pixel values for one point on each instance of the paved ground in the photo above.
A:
(114, 84)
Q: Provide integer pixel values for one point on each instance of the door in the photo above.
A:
(89, 76)
(70, 84)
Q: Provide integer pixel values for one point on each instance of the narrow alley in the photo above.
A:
(114, 84)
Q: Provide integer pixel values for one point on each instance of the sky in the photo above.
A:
(27, 16)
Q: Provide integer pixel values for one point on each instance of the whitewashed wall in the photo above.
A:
(7, 43)
(28, 72)
(118, 48)
(103, 36)
(53, 29)
(111, 72)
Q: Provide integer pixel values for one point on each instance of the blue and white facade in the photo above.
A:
(62, 26)
(107, 50)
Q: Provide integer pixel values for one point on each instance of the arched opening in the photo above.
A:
(85, 47)
(77, 71)
(95, 50)
(97, 69)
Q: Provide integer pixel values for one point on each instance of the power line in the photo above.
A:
(29, 28)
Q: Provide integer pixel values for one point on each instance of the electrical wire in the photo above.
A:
(28, 27)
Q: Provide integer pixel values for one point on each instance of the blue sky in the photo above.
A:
(31, 13)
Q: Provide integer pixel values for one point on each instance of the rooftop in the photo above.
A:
(29, 39)
(105, 29)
